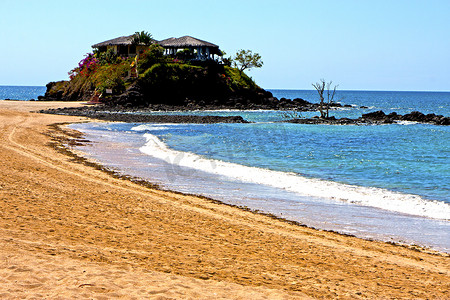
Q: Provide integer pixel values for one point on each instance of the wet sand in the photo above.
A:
(70, 230)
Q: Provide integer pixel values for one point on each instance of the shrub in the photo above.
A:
(108, 57)
(154, 55)
(111, 77)
(185, 54)
(238, 80)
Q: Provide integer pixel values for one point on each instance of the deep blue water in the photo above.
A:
(401, 102)
(21, 92)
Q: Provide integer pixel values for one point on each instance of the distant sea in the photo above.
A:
(384, 182)
(21, 92)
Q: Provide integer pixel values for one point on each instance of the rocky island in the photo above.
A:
(137, 74)
(173, 74)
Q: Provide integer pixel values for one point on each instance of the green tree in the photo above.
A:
(153, 55)
(143, 37)
(246, 59)
(324, 104)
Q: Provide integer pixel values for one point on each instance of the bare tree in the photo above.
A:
(324, 104)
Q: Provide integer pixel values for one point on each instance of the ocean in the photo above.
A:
(21, 92)
(382, 182)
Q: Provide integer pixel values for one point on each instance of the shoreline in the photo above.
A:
(307, 216)
(144, 182)
(63, 145)
(178, 234)
(133, 115)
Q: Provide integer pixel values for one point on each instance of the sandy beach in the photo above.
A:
(70, 230)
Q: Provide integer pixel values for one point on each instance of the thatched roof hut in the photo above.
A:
(120, 41)
(203, 49)
(186, 42)
(124, 46)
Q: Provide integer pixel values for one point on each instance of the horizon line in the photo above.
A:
(294, 89)
(362, 90)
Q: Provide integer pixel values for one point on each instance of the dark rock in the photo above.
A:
(346, 121)
(393, 115)
(377, 115)
(414, 116)
(301, 102)
(55, 91)
(430, 117)
(105, 113)
(443, 121)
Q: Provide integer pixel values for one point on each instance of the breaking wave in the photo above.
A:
(366, 196)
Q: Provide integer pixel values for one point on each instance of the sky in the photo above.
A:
(360, 45)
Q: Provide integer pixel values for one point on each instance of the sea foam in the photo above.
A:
(366, 196)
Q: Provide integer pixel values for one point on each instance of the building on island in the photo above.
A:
(122, 46)
(200, 50)
(190, 47)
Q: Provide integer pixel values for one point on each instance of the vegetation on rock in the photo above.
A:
(153, 77)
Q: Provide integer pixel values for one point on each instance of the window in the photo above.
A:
(123, 50)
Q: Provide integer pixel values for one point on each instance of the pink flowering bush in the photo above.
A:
(86, 66)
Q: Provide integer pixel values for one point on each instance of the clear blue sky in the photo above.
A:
(360, 45)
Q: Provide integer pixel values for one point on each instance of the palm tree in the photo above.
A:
(143, 37)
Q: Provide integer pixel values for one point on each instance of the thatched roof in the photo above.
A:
(120, 41)
(182, 42)
(123, 40)
(185, 42)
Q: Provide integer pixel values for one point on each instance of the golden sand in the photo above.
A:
(69, 230)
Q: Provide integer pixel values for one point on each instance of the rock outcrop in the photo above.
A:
(414, 116)
(378, 117)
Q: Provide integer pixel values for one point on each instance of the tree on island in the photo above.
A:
(142, 37)
(324, 104)
(246, 59)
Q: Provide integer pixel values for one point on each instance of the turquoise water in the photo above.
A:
(21, 92)
(411, 159)
(387, 182)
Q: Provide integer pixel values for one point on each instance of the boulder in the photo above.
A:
(377, 115)
(55, 91)
(414, 116)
